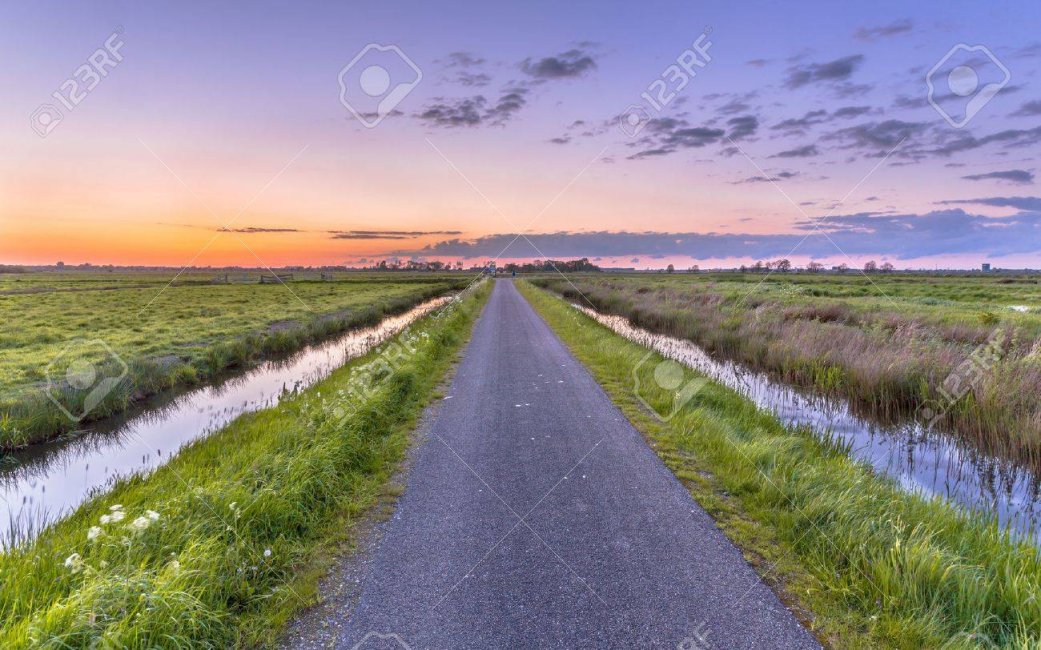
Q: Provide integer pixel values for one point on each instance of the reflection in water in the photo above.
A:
(922, 461)
(45, 482)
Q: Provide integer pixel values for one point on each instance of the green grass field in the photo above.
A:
(894, 345)
(165, 334)
(220, 546)
(865, 563)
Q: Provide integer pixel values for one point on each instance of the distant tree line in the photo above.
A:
(395, 264)
(785, 265)
(571, 266)
(537, 266)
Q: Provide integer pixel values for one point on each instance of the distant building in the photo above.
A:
(986, 267)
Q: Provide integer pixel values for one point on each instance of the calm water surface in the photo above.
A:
(922, 461)
(45, 482)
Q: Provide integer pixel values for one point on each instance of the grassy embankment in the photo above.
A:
(221, 545)
(188, 334)
(886, 343)
(869, 565)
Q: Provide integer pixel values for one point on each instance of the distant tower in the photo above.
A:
(986, 267)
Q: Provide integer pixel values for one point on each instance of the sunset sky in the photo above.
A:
(220, 137)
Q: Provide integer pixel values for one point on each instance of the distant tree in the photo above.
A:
(814, 267)
(60, 265)
(886, 268)
(783, 265)
(870, 266)
(670, 269)
(694, 268)
(543, 266)
(842, 268)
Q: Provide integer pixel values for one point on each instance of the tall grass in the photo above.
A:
(209, 550)
(30, 416)
(888, 363)
(876, 566)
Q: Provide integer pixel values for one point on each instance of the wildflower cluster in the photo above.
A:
(95, 534)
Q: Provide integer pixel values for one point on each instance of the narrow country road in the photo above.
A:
(537, 517)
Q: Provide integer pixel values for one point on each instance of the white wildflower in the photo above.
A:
(105, 519)
(117, 516)
(118, 506)
(175, 565)
(74, 563)
(152, 514)
(141, 523)
(93, 532)
(267, 552)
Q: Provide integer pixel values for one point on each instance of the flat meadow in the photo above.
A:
(223, 544)
(958, 352)
(151, 331)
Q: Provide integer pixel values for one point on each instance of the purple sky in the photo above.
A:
(220, 136)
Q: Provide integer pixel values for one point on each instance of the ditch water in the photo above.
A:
(45, 482)
(923, 461)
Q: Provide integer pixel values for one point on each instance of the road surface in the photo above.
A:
(536, 516)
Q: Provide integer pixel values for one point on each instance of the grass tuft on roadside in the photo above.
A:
(865, 564)
(218, 547)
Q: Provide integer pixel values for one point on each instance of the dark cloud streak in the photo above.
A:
(902, 236)
(1018, 176)
(570, 64)
(870, 34)
(831, 71)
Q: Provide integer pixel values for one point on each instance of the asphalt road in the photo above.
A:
(536, 516)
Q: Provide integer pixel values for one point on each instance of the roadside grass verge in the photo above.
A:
(864, 563)
(28, 415)
(221, 545)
